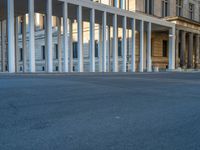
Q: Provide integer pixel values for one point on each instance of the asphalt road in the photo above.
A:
(158, 111)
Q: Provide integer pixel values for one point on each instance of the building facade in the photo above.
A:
(99, 36)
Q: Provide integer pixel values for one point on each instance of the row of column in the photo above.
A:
(193, 50)
(115, 44)
(12, 36)
(67, 56)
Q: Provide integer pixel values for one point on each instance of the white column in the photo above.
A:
(115, 44)
(92, 41)
(172, 48)
(133, 45)
(11, 35)
(46, 44)
(141, 68)
(3, 44)
(80, 39)
(149, 60)
(124, 45)
(65, 37)
(31, 36)
(109, 50)
(16, 44)
(70, 46)
(59, 44)
(100, 47)
(104, 46)
(49, 36)
(24, 43)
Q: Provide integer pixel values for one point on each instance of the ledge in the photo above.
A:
(174, 18)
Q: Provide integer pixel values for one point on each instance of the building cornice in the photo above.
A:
(175, 18)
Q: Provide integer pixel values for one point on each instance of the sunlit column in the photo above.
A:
(133, 45)
(100, 48)
(70, 46)
(65, 37)
(172, 35)
(149, 59)
(49, 36)
(92, 41)
(31, 36)
(141, 68)
(80, 39)
(115, 44)
(109, 50)
(124, 45)
(11, 35)
(104, 46)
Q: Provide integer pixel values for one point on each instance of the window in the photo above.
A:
(96, 49)
(179, 7)
(21, 25)
(21, 54)
(43, 52)
(75, 50)
(164, 8)
(21, 68)
(57, 68)
(191, 11)
(56, 51)
(43, 22)
(149, 7)
(199, 14)
(119, 47)
(165, 48)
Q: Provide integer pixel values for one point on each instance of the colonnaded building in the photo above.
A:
(99, 36)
